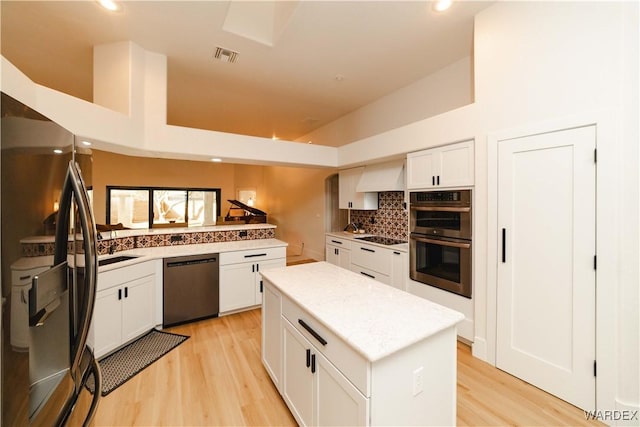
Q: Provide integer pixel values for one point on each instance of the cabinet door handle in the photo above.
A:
(368, 275)
(313, 363)
(253, 268)
(433, 180)
(119, 294)
(367, 249)
(257, 268)
(312, 332)
(438, 180)
(126, 292)
(504, 245)
(308, 358)
(260, 286)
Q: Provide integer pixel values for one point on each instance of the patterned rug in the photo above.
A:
(124, 364)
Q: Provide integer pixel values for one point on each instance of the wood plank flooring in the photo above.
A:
(216, 378)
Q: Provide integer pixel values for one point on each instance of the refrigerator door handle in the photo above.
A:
(74, 188)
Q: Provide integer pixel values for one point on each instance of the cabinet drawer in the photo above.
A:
(372, 257)
(371, 274)
(253, 255)
(338, 241)
(119, 276)
(351, 364)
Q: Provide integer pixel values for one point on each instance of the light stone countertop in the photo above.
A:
(147, 254)
(357, 237)
(375, 319)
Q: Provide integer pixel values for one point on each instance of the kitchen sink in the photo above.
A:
(115, 259)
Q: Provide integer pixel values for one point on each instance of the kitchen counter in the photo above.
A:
(375, 319)
(357, 237)
(147, 254)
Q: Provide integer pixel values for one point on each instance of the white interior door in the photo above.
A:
(546, 275)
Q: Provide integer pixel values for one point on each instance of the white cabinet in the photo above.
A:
(240, 278)
(348, 197)
(384, 264)
(124, 307)
(447, 166)
(272, 334)
(338, 251)
(399, 270)
(315, 390)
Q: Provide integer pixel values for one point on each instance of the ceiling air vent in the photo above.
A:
(225, 55)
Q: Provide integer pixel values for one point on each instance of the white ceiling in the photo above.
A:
(315, 61)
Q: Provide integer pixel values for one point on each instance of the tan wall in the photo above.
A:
(297, 207)
(294, 198)
(117, 169)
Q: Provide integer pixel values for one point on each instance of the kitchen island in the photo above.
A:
(343, 349)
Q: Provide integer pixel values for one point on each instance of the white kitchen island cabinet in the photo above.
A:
(348, 350)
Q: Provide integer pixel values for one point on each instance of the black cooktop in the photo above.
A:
(382, 240)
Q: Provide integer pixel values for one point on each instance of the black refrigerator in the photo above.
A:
(54, 379)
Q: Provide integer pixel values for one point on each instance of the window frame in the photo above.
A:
(150, 191)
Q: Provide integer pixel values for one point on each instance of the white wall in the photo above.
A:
(446, 89)
(537, 65)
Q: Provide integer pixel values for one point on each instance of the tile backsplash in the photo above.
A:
(390, 220)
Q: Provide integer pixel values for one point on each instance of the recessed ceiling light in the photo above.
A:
(109, 5)
(442, 5)
(275, 138)
(216, 159)
(87, 143)
(57, 151)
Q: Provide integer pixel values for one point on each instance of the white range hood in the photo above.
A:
(388, 176)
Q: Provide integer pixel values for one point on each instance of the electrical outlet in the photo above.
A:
(418, 381)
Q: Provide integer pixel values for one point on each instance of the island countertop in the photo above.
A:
(375, 319)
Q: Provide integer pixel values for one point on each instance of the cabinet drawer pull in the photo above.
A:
(367, 249)
(336, 242)
(368, 275)
(312, 332)
(396, 253)
(313, 363)
(25, 277)
(254, 255)
(308, 358)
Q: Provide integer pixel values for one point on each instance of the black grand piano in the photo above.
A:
(239, 213)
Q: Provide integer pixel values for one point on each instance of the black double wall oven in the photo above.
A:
(440, 239)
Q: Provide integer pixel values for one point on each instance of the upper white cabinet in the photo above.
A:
(447, 166)
(349, 197)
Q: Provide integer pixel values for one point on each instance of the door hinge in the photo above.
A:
(595, 262)
(595, 155)
(594, 368)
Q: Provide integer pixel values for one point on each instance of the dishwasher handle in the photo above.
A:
(190, 262)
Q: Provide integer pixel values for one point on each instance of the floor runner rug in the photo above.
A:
(124, 364)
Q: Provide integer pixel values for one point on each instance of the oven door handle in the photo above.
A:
(440, 209)
(443, 242)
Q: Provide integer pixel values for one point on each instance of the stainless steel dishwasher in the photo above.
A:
(190, 288)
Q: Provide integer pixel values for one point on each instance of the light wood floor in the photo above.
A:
(216, 378)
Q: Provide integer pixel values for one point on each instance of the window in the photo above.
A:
(151, 207)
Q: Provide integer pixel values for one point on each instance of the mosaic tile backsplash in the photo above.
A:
(155, 240)
(390, 220)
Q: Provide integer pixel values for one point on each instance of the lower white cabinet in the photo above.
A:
(124, 307)
(316, 392)
(338, 251)
(240, 278)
